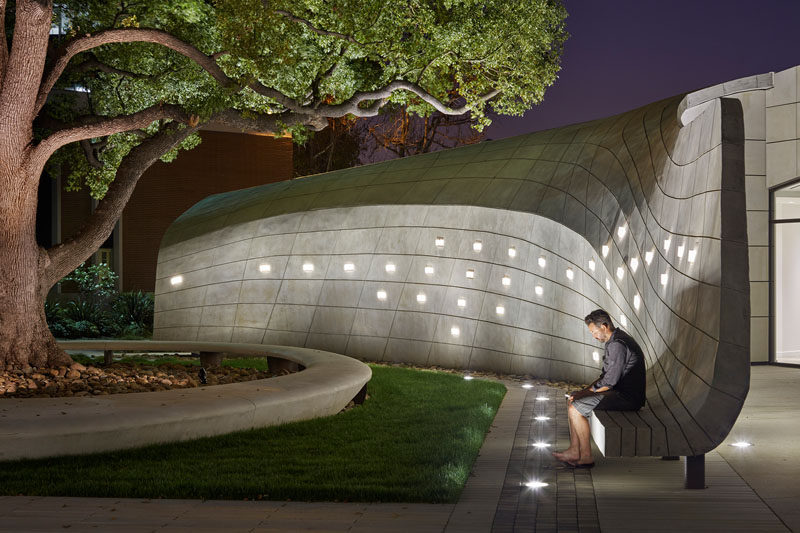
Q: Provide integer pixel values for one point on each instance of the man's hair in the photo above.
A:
(598, 317)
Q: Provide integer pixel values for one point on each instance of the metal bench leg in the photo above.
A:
(695, 472)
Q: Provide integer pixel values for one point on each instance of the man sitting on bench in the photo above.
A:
(620, 387)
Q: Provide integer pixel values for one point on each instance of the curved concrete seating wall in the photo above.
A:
(676, 270)
(48, 427)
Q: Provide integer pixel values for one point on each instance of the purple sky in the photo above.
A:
(626, 53)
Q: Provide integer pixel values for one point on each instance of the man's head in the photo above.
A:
(600, 325)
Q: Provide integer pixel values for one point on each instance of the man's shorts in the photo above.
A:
(607, 401)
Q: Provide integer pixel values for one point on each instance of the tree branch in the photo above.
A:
(94, 126)
(127, 35)
(351, 106)
(318, 31)
(95, 64)
(88, 151)
(231, 119)
(63, 258)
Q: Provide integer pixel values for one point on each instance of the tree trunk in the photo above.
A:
(24, 336)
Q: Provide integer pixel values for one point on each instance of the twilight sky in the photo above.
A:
(626, 53)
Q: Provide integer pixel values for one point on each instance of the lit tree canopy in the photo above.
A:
(128, 82)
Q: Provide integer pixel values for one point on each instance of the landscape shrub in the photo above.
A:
(100, 310)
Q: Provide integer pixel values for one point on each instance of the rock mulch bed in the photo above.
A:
(117, 378)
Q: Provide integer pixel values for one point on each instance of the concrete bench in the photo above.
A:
(660, 429)
(47, 427)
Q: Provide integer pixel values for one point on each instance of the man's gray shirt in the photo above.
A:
(623, 367)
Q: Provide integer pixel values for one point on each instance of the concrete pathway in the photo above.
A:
(750, 489)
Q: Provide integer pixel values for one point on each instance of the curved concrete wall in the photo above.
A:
(657, 208)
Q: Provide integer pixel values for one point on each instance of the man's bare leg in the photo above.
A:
(580, 425)
(572, 453)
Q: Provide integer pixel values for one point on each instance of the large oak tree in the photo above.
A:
(130, 82)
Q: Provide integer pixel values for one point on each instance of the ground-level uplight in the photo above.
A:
(541, 445)
(741, 444)
(468, 377)
(527, 386)
(536, 484)
(542, 418)
(542, 398)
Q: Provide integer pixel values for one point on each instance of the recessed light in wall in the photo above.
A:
(461, 302)
(692, 255)
(741, 444)
(681, 248)
(542, 398)
(592, 265)
(349, 267)
(667, 243)
(605, 250)
(500, 310)
(390, 267)
(439, 242)
(421, 298)
(381, 294)
(265, 267)
(664, 278)
(542, 261)
(608, 284)
(637, 301)
(623, 321)
(595, 355)
(621, 231)
(308, 267)
(634, 263)
(477, 246)
(536, 484)
(470, 273)
(506, 280)
(648, 257)
(176, 280)
(538, 290)
(541, 418)
(455, 331)
(512, 252)
(620, 272)
(429, 270)
(570, 274)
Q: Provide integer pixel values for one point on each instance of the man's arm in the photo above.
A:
(615, 365)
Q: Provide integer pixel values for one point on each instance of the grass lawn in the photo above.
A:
(414, 440)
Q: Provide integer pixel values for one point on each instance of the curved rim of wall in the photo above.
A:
(49, 427)
(694, 103)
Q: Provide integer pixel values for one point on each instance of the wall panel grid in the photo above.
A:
(489, 256)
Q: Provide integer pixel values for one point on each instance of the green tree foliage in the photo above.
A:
(304, 59)
(130, 82)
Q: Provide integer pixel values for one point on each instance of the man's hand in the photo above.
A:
(580, 394)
